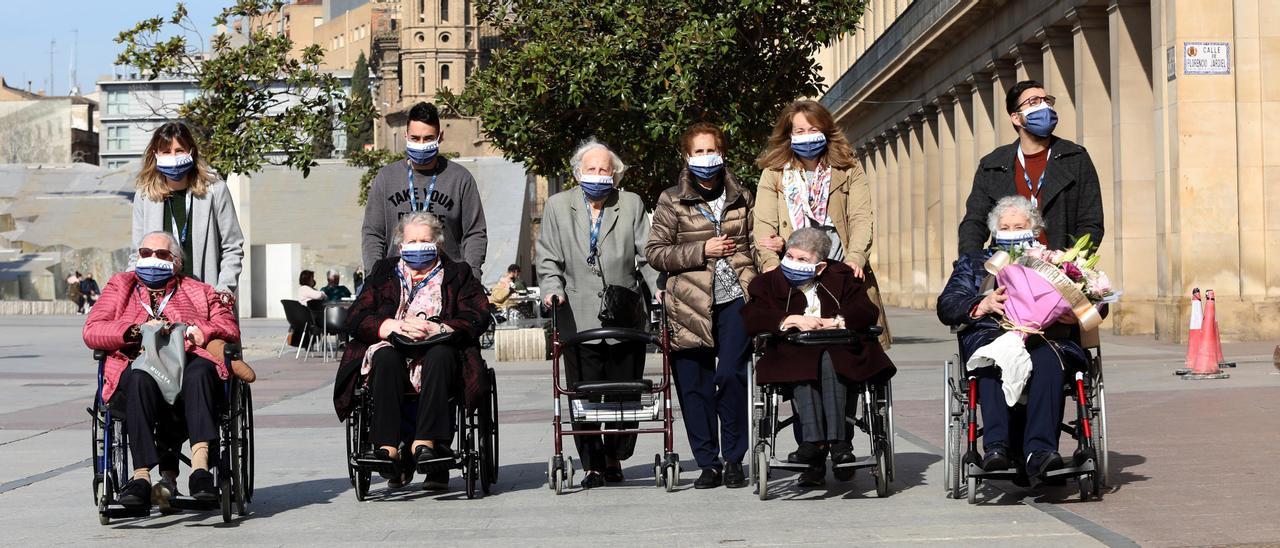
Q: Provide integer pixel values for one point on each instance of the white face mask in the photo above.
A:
(173, 160)
(1007, 238)
(706, 160)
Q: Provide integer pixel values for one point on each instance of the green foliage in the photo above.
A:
(257, 104)
(361, 132)
(636, 73)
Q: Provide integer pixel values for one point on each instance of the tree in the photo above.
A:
(636, 73)
(257, 105)
(361, 133)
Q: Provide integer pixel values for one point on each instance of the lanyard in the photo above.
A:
(1034, 191)
(413, 292)
(714, 222)
(413, 200)
(142, 299)
(594, 233)
(181, 234)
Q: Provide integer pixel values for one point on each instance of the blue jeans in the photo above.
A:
(712, 386)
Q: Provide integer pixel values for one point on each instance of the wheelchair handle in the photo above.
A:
(231, 352)
(99, 355)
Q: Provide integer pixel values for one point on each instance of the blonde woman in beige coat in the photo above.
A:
(812, 179)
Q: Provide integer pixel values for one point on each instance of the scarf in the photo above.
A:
(806, 200)
(427, 302)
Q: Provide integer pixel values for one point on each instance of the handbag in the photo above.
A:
(164, 357)
(620, 307)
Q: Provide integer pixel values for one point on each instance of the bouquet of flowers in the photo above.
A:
(1043, 286)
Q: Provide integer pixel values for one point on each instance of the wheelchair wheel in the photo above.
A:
(489, 450)
(955, 432)
(225, 488)
(1100, 434)
(486, 338)
(103, 499)
(672, 474)
(973, 490)
(240, 446)
(657, 470)
(352, 444)
(247, 456)
(882, 472)
(551, 473)
(890, 433)
(362, 480)
(762, 473)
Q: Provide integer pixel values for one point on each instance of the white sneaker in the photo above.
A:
(163, 493)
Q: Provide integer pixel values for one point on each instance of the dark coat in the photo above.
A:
(964, 291)
(783, 362)
(464, 308)
(1070, 201)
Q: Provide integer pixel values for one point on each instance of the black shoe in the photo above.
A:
(808, 453)
(815, 476)
(436, 481)
(842, 453)
(613, 475)
(404, 471)
(390, 473)
(202, 485)
(432, 459)
(734, 477)
(1041, 463)
(996, 459)
(592, 480)
(710, 478)
(136, 493)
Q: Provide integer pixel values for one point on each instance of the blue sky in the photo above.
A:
(27, 27)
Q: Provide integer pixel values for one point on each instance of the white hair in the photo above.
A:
(1016, 204)
(591, 144)
(421, 218)
(812, 240)
(174, 247)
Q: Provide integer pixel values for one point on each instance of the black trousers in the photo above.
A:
(622, 361)
(1041, 415)
(193, 414)
(389, 384)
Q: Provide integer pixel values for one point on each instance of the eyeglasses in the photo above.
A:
(162, 254)
(1035, 101)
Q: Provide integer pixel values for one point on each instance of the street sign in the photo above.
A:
(1206, 58)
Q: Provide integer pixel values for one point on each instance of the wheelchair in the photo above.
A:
(1088, 464)
(233, 459)
(873, 415)
(475, 447)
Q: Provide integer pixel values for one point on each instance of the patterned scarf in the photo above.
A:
(426, 303)
(806, 200)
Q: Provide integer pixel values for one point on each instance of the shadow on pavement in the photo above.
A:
(909, 474)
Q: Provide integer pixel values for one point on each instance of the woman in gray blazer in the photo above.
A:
(593, 235)
(180, 194)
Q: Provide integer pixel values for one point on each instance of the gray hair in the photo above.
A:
(813, 240)
(591, 144)
(421, 218)
(1016, 204)
(174, 247)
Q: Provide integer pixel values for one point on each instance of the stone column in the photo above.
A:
(1003, 77)
(902, 196)
(1028, 61)
(965, 163)
(1093, 108)
(866, 155)
(934, 125)
(984, 105)
(893, 241)
(1269, 57)
(946, 172)
(1132, 223)
(1059, 77)
(1254, 55)
(916, 220)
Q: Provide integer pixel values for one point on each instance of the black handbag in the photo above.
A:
(620, 307)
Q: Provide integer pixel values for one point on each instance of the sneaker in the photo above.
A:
(163, 493)
(808, 453)
(437, 480)
(842, 453)
(202, 485)
(710, 478)
(734, 477)
(996, 459)
(592, 480)
(1040, 463)
(135, 493)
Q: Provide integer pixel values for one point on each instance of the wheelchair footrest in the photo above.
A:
(187, 503)
(375, 464)
(1071, 471)
(628, 411)
(863, 462)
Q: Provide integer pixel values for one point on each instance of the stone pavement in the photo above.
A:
(1193, 462)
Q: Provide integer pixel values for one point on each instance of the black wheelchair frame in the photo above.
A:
(876, 418)
(234, 462)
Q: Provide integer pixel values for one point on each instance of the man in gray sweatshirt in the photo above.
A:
(425, 182)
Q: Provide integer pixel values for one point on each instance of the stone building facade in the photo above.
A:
(1170, 98)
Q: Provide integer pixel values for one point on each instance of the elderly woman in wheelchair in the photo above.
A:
(972, 305)
(174, 389)
(415, 327)
(811, 293)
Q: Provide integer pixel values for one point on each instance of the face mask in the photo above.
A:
(421, 153)
(1010, 238)
(174, 166)
(798, 273)
(1040, 120)
(706, 167)
(154, 271)
(418, 255)
(596, 187)
(809, 146)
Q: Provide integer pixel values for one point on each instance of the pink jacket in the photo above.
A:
(195, 303)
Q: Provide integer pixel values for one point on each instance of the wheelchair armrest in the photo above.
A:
(833, 336)
(99, 355)
(231, 352)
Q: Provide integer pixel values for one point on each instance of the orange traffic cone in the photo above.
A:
(1217, 343)
(1204, 365)
(1193, 331)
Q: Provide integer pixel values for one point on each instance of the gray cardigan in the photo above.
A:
(218, 246)
(562, 254)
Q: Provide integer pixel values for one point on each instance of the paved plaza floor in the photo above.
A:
(1194, 464)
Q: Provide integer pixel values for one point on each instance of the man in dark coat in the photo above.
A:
(1057, 175)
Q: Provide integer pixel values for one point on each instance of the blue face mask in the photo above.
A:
(706, 167)
(1040, 120)
(596, 187)
(153, 271)
(175, 166)
(798, 273)
(1008, 239)
(421, 153)
(809, 146)
(418, 255)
